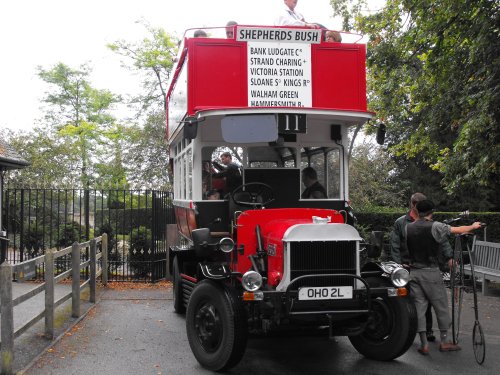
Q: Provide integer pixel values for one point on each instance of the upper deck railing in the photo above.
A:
(267, 67)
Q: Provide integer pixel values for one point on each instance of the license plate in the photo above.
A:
(325, 292)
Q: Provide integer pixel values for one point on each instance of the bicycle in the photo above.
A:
(459, 284)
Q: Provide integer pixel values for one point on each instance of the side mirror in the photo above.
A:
(381, 133)
(190, 127)
(201, 238)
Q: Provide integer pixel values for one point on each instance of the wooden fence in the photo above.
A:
(8, 333)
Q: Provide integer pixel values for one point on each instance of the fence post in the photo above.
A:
(93, 270)
(104, 265)
(49, 293)
(7, 318)
(75, 285)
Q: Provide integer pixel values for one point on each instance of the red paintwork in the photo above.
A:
(273, 225)
(186, 220)
(338, 74)
(218, 78)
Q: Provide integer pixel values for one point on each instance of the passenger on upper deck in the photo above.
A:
(230, 29)
(333, 36)
(200, 34)
(289, 17)
(314, 190)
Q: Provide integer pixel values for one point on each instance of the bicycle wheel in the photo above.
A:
(457, 294)
(478, 343)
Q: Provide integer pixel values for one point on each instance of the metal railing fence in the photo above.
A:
(135, 221)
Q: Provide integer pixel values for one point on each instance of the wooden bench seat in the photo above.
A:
(486, 257)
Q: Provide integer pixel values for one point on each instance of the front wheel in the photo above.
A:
(216, 326)
(478, 343)
(391, 329)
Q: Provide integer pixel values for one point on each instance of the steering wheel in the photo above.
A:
(253, 194)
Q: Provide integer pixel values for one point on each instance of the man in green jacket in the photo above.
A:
(399, 250)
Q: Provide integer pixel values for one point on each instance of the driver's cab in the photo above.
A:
(270, 172)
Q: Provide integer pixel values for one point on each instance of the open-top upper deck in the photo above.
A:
(268, 70)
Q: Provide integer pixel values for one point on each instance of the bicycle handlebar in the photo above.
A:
(462, 216)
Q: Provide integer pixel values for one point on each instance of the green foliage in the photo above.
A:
(154, 58)
(53, 161)
(433, 77)
(140, 250)
(372, 182)
(33, 239)
(148, 153)
(79, 113)
(70, 233)
(114, 256)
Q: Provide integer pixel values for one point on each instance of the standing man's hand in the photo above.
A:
(451, 263)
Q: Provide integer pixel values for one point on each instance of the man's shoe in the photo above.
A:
(430, 336)
(423, 350)
(449, 347)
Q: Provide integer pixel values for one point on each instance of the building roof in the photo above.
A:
(9, 158)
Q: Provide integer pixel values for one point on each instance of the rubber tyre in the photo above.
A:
(478, 343)
(216, 326)
(393, 329)
(179, 307)
(457, 295)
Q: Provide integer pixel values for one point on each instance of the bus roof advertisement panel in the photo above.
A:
(278, 35)
(279, 74)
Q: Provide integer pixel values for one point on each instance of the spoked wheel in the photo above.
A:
(457, 294)
(478, 343)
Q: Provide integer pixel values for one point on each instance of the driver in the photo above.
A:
(314, 190)
(231, 172)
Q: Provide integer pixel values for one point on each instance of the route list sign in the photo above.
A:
(279, 66)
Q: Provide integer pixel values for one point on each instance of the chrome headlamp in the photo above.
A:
(399, 276)
(251, 281)
(226, 244)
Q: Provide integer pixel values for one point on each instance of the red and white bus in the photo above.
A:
(267, 254)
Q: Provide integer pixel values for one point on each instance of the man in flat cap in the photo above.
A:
(423, 238)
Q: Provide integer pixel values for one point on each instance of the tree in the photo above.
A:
(147, 155)
(433, 76)
(78, 112)
(53, 161)
(373, 181)
(154, 58)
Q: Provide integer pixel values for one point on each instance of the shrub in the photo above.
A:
(140, 251)
(114, 256)
(69, 233)
(33, 240)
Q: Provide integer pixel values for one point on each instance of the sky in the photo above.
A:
(45, 32)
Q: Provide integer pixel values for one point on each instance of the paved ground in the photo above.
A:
(30, 344)
(135, 331)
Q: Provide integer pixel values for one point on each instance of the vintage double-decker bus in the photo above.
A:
(266, 241)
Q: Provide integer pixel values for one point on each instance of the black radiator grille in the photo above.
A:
(323, 257)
